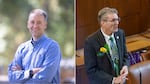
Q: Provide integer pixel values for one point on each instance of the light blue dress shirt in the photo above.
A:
(44, 53)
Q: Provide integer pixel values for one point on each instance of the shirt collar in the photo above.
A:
(34, 43)
(107, 36)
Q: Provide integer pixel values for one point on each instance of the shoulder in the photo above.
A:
(52, 46)
(24, 44)
(94, 40)
(121, 34)
(120, 31)
(52, 43)
(94, 35)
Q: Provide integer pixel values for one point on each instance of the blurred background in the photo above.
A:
(13, 31)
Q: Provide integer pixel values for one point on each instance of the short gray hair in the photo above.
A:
(105, 11)
(40, 11)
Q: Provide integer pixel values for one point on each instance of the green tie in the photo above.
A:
(114, 56)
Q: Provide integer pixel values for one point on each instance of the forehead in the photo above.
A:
(36, 16)
(111, 15)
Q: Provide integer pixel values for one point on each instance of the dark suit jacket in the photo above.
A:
(100, 69)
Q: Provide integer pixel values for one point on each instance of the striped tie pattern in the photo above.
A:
(114, 56)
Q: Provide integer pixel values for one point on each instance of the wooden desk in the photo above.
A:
(79, 60)
(138, 42)
(138, 45)
(81, 76)
(80, 57)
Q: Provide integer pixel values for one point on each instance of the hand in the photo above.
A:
(119, 80)
(123, 74)
(16, 68)
(36, 70)
(124, 71)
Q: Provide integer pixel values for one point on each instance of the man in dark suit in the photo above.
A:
(102, 65)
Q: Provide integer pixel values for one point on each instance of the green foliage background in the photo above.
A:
(13, 21)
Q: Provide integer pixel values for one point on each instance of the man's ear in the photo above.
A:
(28, 25)
(45, 25)
(101, 22)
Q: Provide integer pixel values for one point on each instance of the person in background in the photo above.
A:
(106, 58)
(37, 60)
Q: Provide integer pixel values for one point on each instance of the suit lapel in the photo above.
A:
(103, 42)
(100, 38)
(117, 38)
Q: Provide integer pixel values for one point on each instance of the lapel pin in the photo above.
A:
(117, 37)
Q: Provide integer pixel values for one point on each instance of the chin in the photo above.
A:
(35, 35)
(115, 30)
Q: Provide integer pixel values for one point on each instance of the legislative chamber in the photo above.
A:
(135, 21)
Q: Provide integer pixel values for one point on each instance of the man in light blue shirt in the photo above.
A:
(36, 61)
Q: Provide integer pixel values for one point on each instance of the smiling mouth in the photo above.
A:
(34, 29)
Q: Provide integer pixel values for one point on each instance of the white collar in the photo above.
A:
(107, 36)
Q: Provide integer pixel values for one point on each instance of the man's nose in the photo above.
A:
(35, 25)
(116, 22)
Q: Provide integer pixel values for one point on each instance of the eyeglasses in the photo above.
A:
(113, 20)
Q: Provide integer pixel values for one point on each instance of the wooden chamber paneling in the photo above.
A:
(85, 19)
